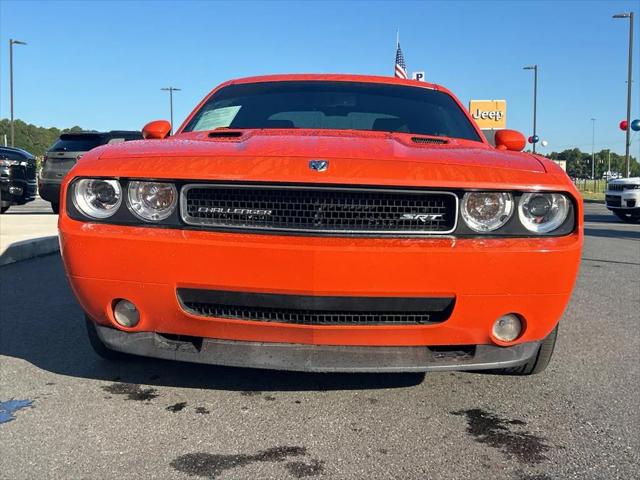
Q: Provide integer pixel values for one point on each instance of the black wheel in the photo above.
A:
(55, 207)
(4, 209)
(627, 217)
(100, 348)
(538, 363)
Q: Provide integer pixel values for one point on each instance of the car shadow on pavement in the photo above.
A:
(626, 234)
(42, 324)
(602, 218)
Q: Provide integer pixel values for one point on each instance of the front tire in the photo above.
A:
(4, 209)
(627, 217)
(55, 207)
(100, 348)
(539, 362)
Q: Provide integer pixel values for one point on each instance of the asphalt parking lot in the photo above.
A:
(66, 413)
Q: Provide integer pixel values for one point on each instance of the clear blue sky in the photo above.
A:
(101, 65)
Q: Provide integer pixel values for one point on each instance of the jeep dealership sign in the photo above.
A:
(489, 114)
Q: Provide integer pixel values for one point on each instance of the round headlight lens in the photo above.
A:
(543, 212)
(96, 197)
(152, 201)
(486, 211)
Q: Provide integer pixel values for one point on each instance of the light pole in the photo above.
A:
(535, 99)
(12, 42)
(593, 142)
(171, 90)
(627, 143)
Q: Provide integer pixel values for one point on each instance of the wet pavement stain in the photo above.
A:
(269, 398)
(176, 407)
(202, 411)
(496, 432)
(10, 407)
(133, 391)
(210, 466)
(302, 469)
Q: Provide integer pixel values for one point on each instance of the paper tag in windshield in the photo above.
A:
(218, 118)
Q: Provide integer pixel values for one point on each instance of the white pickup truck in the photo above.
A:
(623, 198)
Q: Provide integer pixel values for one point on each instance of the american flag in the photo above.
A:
(401, 67)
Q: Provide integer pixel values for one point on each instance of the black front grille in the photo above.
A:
(307, 317)
(18, 172)
(316, 310)
(319, 209)
(613, 201)
(31, 171)
(616, 187)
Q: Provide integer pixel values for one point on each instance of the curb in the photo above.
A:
(25, 249)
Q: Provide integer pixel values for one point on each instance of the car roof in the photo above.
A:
(336, 77)
(111, 133)
(17, 150)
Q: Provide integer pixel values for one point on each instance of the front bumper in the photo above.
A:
(626, 201)
(50, 189)
(488, 278)
(316, 358)
(16, 191)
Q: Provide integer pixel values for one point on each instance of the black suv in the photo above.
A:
(17, 177)
(63, 155)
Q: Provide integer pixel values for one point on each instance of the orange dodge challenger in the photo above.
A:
(323, 223)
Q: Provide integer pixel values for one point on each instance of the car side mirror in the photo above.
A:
(158, 129)
(509, 140)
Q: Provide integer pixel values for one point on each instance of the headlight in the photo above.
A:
(152, 201)
(543, 212)
(486, 211)
(97, 198)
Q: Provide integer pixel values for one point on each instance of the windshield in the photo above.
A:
(334, 105)
(76, 143)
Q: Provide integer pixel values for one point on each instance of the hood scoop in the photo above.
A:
(429, 141)
(225, 134)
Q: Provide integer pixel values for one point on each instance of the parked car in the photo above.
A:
(623, 198)
(64, 153)
(323, 223)
(17, 177)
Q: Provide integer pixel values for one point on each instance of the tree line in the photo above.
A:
(579, 163)
(31, 138)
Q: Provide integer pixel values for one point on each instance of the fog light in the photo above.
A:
(15, 190)
(126, 313)
(507, 328)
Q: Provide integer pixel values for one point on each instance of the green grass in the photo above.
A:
(595, 196)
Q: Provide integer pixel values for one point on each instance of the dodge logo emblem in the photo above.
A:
(319, 165)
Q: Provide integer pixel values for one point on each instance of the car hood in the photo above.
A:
(327, 145)
(363, 158)
(626, 181)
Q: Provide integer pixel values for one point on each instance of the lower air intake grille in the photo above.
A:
(319, 209)
(316, 310)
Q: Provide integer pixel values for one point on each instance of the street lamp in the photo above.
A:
(627, 142)
(535, 99)
(171, 90)
(593, 141)
(12, 42)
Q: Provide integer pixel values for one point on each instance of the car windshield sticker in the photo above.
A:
(218, 118)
